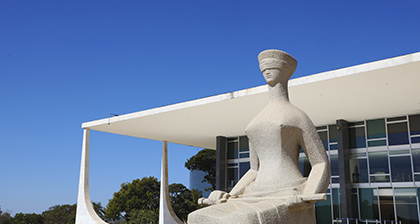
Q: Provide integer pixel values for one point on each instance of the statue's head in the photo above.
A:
(276, 63)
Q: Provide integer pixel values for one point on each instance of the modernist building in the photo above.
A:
(368, 117)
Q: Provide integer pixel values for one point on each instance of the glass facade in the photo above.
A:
(384, 169)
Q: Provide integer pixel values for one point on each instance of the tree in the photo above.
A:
(205, 161)
(62, 214)
(183, 200)
(5, 217)
(142, 216)
(138, 195)
(97, 206)
(33, 218)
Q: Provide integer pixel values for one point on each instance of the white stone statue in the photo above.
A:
(274, 190)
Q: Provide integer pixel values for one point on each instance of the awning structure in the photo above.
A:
(387, 87)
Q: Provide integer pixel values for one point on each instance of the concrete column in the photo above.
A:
(344, 169)
(166, 213)
(221, 158)
(85, 214)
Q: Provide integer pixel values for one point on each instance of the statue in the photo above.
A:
(274, 190)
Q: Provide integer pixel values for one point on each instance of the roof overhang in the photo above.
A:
(388, 87)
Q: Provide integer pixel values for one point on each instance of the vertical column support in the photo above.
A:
(166, 213)
(221, 154)
(85, 214)
(344, 169)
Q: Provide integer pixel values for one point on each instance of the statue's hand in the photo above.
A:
(216, 197)
(296, 203)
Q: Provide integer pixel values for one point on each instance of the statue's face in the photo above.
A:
(272, 75)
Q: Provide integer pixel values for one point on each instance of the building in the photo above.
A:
(368, 117)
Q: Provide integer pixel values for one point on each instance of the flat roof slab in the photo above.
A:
(388, 87)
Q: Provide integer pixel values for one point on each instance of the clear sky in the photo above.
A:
(63, 63)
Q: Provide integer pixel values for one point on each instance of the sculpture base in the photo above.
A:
(241, 212)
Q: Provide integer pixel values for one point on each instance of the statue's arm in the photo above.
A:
(319, 177)
(217, 196)
(249, 176)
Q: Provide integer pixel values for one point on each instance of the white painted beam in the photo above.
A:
(85, 214)
(166, 213)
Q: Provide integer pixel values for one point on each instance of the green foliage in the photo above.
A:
(138, 195)
(97, 206)
(5, 217)
(33, 218)
(205, 161)
(183, 200)
(63, 214)
(142, 216)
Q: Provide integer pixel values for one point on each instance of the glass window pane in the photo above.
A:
(378, 162)
(414, 124)
(368, 203)
(358, 171)
(398, 133)
(321, 127)
(232, 177)
(376, 143)
(334, 165)
(333, 146)
(333, 133)
(243, 144)
(243, 168)
(304, 166)
(386, 200)
(355, 204)
(402, 118)
(336, 203)
(324, 138)
(415, 140)
(232, 150)
(375, 128)
(406, 205)
(323, 211)
(244, 155)
(416, 159)
(357, 137)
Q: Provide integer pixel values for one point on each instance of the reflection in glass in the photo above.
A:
(324, 138)
(378, 162)
(243, 168)
(334, 165)
(232, 177)
(406, 205)
(243, 144)
(336, 203)
(415, 140)
(368, 203)
(401, 169)
(377, 143)
(323, 211)
(333, 133)
(354, 203)
(358, 170)
(333, 146)
(304, 166)
(416, 159)
(375, 128)
(232, 150)
(398, 133)
(414, 124)
(386, 200)
(357, 137)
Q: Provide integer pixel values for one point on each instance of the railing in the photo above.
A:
(365, 221)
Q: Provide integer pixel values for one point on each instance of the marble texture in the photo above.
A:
(273, 190)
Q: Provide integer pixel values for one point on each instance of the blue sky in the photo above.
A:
(63, 63)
